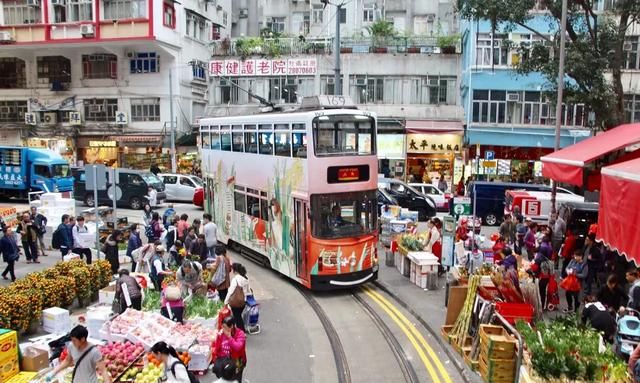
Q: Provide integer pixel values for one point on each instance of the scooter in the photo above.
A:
(628, 333)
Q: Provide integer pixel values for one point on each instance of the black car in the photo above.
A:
(579, 216)
(131, 189)
(384, 198)
(409, 198)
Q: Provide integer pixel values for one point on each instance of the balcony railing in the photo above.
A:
(274, 47)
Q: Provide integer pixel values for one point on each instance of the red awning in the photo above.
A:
(434, 126)
(567, 165)
(619, 216)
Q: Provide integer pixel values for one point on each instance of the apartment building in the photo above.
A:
(91, 78)
(282, 50)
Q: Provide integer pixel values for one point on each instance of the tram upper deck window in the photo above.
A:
(343, 135)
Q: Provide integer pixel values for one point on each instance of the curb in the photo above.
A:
(462, 368)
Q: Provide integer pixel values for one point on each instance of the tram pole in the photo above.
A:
(563, 28)
(338, 86)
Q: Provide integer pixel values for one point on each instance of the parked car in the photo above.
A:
(489, 198)
(198, 197)
(180, 187)
(133, 186)
(438, 196)
(579, 216)
(384, 198)
(409, 197)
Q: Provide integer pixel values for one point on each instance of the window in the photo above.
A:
(486, 56)
(225, 18)
(196, 26)
(100, 109)
(265, 139)
(184, 181)
(236, 138)
(369, 13)
(299, 141)
(327, 84)
(289, 89)
(250, 139)
(12, 73)
(99, 66)
(215, 32)
(252, 202)
(10, 157)
(632, 107)
(145, 62)
(42, 171)
(199, 71)
(215, 138)
(228, 92)
(367, 90)
(318, 13)
(168, 15)
(131, 179)
(13, 111)
(276, 24)
(205, 139)
(343, 15)
(343, 215)
(52, 69)
(170, 180)
(145, 109)
(489, 106)
(225, 138)
(343, 135)
(74, 11)
(630, 53)
(17, 12)
(125, 9)
(282, 140)
(240, 200)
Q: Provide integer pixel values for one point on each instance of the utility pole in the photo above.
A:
(338, 85)
(563, 28)
(172, 125)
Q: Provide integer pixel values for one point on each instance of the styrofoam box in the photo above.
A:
(107, 294)
(54, 315)
(199, 361)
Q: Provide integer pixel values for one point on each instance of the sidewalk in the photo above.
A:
(426, 305)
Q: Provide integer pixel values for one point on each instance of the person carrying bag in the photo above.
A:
(238, 291)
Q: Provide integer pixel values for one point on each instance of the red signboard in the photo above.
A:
(348, 174)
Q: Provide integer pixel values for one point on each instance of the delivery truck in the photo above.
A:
(23, 170)
(536, 204)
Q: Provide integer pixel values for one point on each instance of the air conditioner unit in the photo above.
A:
(86, 30)
(218, 7)
(129, 54)
(513, 97)
(361, 81)
(33, 3)
(59, 3)
(50, 118)
(5, 37)
(431, 18)
(244, 13)
(627, 46)
(95, 108)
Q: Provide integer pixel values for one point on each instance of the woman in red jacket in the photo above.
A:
(230, 344)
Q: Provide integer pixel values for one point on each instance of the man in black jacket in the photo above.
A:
(40, 224)
(10, 253)
(595, 261)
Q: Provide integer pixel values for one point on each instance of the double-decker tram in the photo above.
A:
(297, 189)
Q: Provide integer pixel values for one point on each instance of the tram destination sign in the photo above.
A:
(343, 174)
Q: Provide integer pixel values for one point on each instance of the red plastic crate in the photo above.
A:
(513, 312)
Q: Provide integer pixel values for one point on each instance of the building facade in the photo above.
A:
(91, 78)
(283, 51)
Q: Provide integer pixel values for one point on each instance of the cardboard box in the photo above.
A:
(107, 294)
(56, 320)
(22, 377)
(8, 344)
(34, 360)
(9, 368)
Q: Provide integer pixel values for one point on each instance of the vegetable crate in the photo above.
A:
(513, 312)
(497, 370)
(496, 343)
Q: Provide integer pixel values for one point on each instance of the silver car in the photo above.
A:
(180, 187)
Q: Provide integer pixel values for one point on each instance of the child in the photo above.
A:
(577, 271)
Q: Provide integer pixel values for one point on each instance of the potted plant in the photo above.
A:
(447, 44)
(225, 45)
(381, 31)
(410, 43)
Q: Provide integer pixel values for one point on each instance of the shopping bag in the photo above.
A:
(570, 283)
(222, 314)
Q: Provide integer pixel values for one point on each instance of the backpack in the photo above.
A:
(57, 239)
(148, 232)
(220, 275)
(192, 378)
(171, 237)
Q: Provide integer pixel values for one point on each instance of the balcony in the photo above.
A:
(275, 47)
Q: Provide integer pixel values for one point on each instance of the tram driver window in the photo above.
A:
(343, 215)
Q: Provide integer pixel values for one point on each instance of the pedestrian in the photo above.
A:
(171, 303)
(595, 260)
(199, 249)
(86, 357)
(612, 295)
(79, 246)
(10, 253)
(189, 277)
(174, 369)
(167, 216)
(190, 238)
(599, 318)
(133, 290)
(40, 222)
(460, 188)
(517, 215)
(210, 232)
(545, 272)
(156, 227)
(508, 229)
(155, 169)
(197, 226)
(222, 261)
(558, 229)
(29, 238)
(183, 226)
(110, 250)
(134, 243)
(521, 232)
(178, 252)
(172, 233)
(66, 240)
(576, 274)
(147, 214)
(157, 271)
(567, 249)
(152, 196)
(530, 240)
(633, 278)
(237, 294)
(230, 343)
(442, 184)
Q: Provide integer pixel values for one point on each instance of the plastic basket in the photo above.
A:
(513, 312)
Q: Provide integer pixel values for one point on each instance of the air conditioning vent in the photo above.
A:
(58, 3)
(244, 13)
(33, 3)
(86, 30)
(513, 97)
(49, 118)
(361, 81)
(5, 37)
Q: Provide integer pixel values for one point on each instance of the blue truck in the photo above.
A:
(23, 170)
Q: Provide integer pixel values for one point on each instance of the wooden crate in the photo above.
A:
(445, 331)
(498, 347)
(497, 370)
(466, 345)
(487, 329)
(470, 362)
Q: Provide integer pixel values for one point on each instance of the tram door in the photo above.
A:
(301, 249)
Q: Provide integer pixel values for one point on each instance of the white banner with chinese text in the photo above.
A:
(264, 67)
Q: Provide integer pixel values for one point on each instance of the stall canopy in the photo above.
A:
(619, 213)
(567, 165)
